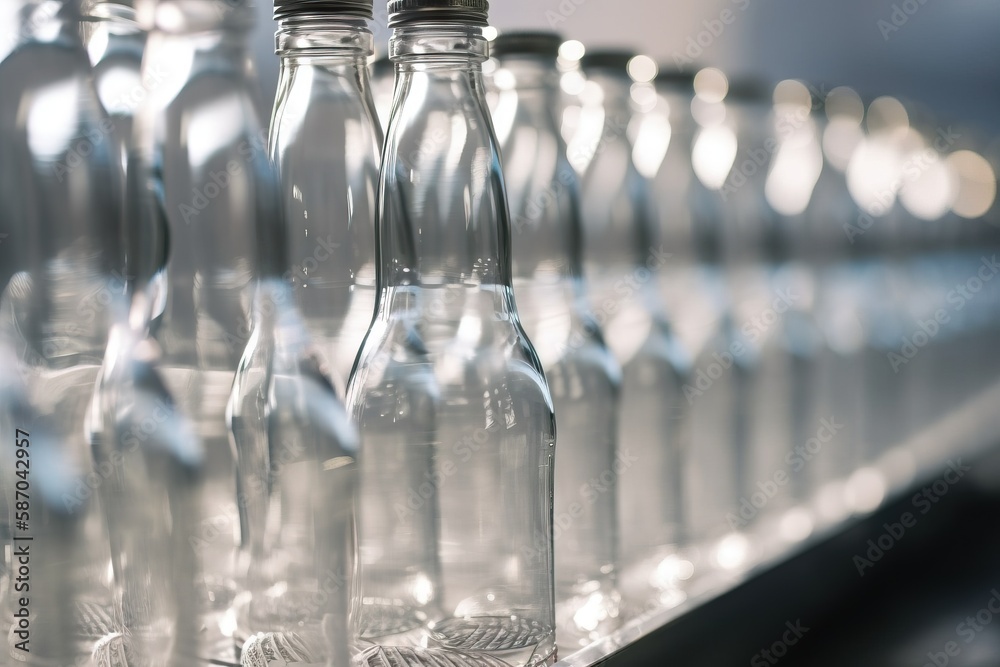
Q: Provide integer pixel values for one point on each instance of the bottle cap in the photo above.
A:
(361, 9)
(669, 76)
(749, 90)
(607, 59)
(468, 12)
(538, 43)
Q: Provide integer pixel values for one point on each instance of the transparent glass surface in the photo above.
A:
(752, 242)
(60, 264)
(296, 475)
(325, 141)
(622, 260)
(200, 187)
(154, 461)
(296, 470)
(583, 376)
(456, 421)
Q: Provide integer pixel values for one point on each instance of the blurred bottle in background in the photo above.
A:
(200, 177)
(583, 376)
(794, 169)
(325, 143)
(622, 261)
(150, 502)
(716, 391)
(456, 422)
(840, 367)
(61, 194)
(295, 447)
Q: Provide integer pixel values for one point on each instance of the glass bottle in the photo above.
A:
(200, 176)
(751, 244)
(456, 421)
(325, 143)
(716, 389)
(61, 264)
(832, 212)
(583, 376)
(622, 261)
(295, 446)
(149, 500)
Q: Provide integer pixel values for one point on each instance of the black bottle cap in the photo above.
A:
(670, 76)
(355, 9)
(749, 90)
(534, 43)
(617, 59)
(468, 12)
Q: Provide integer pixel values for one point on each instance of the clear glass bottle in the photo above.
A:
(831, 213)
(583, 376)
(751, 244)
(456, 421)
(201, 177)
(622, 261)
(61, 264)
(294, 444)
(325, 143)
(154, 462)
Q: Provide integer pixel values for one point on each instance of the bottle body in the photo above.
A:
(623, 260)
(295, 449)
(61, 192)
(325, 142)
(200, 178)
(583, 376)
(456, 422)
(149, 503)
(296, 475)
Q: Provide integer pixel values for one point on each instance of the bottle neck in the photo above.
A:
(617, 90)
(442, 205)
(542, 186)
(316, 40)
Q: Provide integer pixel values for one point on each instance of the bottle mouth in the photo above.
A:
(527, 43)
(349, 9)
(617, 59)
(460, 12)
